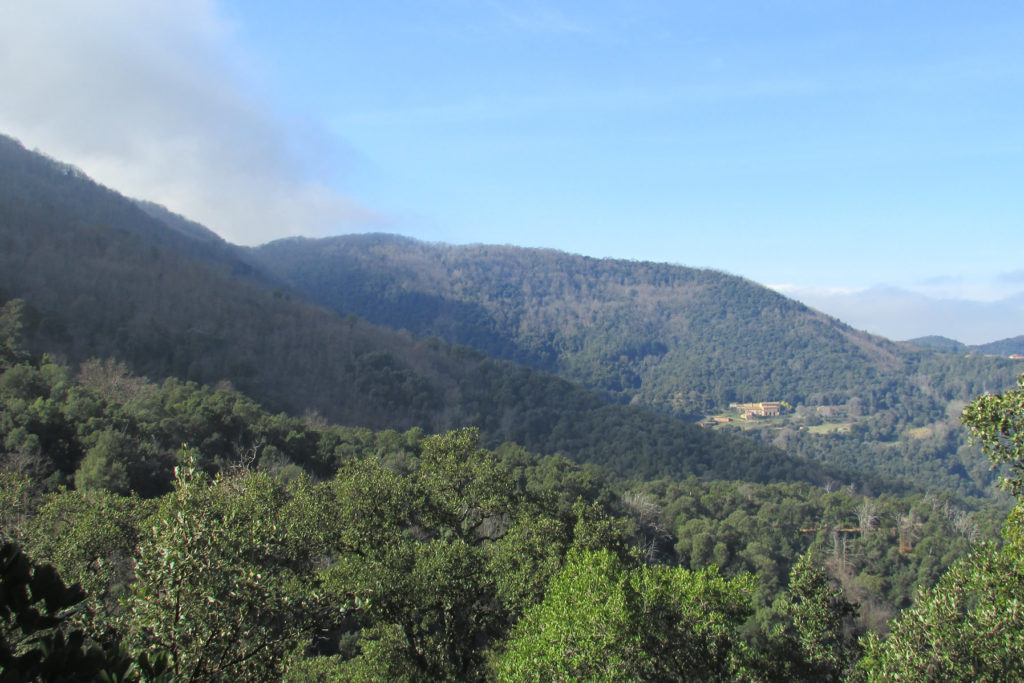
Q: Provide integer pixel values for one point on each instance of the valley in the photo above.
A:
(383, 458)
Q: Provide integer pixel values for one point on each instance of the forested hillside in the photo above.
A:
(131, 281)
(276, 547)
(653, 333)
(1002, 347)
(241, 485)
(102, 278)
(680, 339)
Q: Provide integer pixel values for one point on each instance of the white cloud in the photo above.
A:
(153, 99)
(901, 314)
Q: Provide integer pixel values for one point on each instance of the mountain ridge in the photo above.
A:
(113, 281)
(170, 299)
(1001, 347)
(496, 291)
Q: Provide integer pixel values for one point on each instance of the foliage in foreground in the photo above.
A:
(429, 558)
(602, 621)
(970, 626)
(454, 570)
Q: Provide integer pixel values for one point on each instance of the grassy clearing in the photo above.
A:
(921, 432)
(830, 428)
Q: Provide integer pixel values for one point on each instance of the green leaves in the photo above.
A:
(582, 630)
(10, 333)
(105, 466)
(813, 642)
(602, 621)
(91, 538)
(690, 621)
(996, 421)
(213, 588)
(969, 627)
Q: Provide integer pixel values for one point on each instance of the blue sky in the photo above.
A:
(865, 157)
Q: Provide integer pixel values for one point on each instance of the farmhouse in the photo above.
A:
(762, 409)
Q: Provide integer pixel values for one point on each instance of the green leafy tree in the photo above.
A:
(996, 421)
(10, 333)
(525, 558)
(690, 622)
(584, 629)
(596, 529)
(18, 499)
(601, 621)
(468, 488)
(812, 644)
(969, 627)
(214, 588)
(429, 613)
(408, 568)
(105, 465)
(91, 539)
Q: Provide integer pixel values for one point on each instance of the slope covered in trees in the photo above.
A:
(678, 338)
(106, 277)
(681, 341)
(101, 277)
(216, 540)
(1002, 347)
(969, 626)
(938, 343)
(406, 556)
(655, 333)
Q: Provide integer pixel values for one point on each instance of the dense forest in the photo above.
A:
(115, 282)
(368, 458)
(675, 340)
(129, 280)
(682, 339)
(209, 539)
(1003, 347)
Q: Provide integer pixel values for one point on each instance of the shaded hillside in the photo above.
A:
(669, 336)
(491, 527)
(1003, 347)
(938, 343)
(101, 277)
(681, 341)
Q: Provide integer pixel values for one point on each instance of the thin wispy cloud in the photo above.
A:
(154, 100)
(541, 19)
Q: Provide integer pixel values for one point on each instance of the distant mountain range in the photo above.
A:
(1003, 347)
(538, 347)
